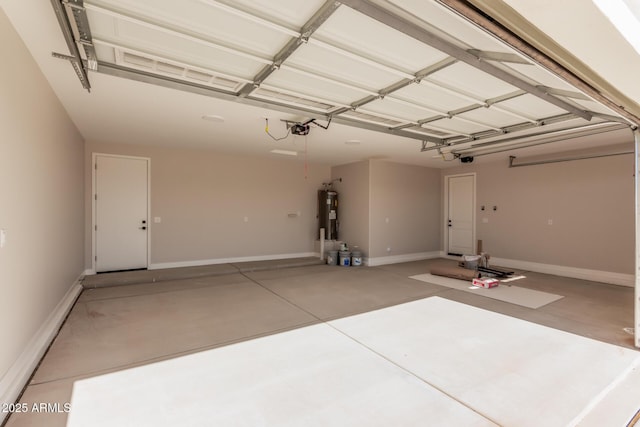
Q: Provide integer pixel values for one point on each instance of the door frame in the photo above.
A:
(636, 179)
(94, 158)
(445, 223)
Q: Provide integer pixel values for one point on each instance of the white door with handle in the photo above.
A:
(121, 200)
(460, 227)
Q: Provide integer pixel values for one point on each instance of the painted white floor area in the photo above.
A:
(428, 362)
(529, 298)
(513, 372)
(314, 376)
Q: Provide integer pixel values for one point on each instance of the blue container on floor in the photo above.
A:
(345, 258)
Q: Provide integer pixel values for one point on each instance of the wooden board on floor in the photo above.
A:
(529, 298)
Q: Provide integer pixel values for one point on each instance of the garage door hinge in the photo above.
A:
(96, 258)
(96, 166)
(95, 196)
(96, 228)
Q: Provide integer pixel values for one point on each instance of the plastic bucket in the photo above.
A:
(471, 261)
(345, 258)
(332, 258)
(356, 258)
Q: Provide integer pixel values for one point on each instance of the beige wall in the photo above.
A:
(590, 202)
(353, 203)
(373, 191)
(41, 191)
(203, 197)
(410, 198)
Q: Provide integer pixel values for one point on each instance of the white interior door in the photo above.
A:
(461, 218)
(121, 209)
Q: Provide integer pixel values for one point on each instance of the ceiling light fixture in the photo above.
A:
(352, 142)
(285, 152)
(213, 118)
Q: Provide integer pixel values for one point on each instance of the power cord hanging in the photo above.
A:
(266, 129)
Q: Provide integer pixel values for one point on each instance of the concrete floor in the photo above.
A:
(142, 321)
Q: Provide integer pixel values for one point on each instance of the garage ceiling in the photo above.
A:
(409, 68)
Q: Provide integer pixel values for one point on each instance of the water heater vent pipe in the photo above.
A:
(327, 185)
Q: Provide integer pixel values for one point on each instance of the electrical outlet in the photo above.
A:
(549, 222)
(157, 220)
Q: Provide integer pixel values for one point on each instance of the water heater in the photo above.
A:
(328, 213)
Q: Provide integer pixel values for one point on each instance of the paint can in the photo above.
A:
(345, 258)
(332, 258)
(471, 261)
(356, 258)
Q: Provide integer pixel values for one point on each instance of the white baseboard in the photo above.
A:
(395, 259)
(18, 375)
(88, 272)
(196, 263)
(573, 272)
